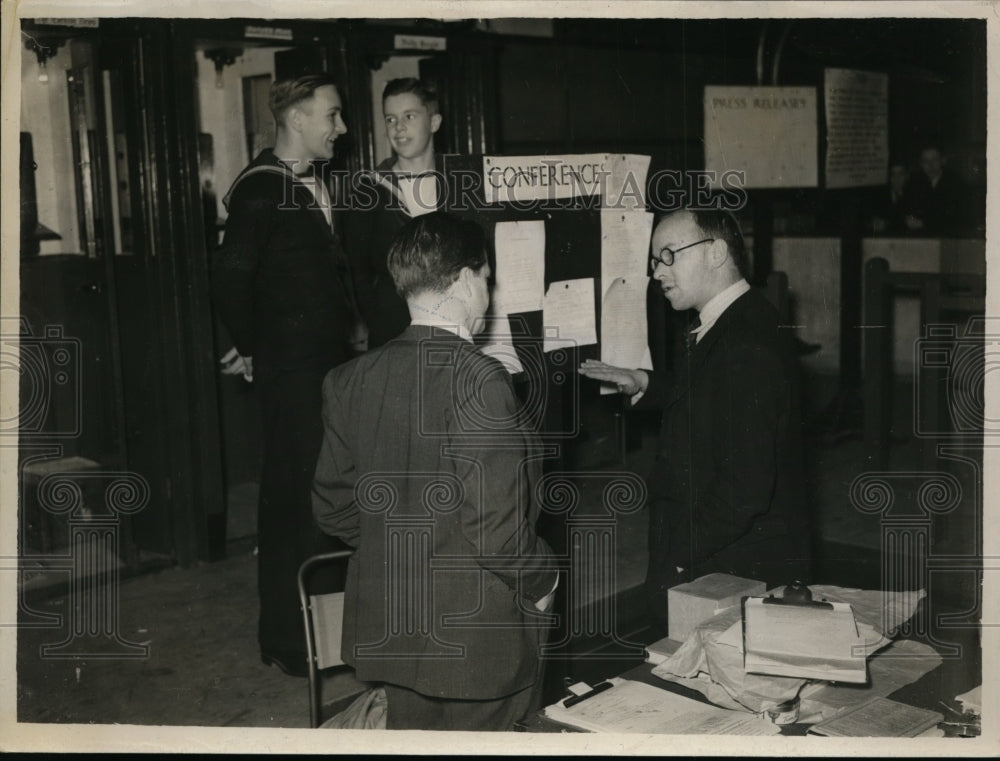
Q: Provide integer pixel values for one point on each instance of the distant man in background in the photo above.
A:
(404, 186)
(889, 203)
(425, 432)
(726, 491)
(934, 197)
(281, 284)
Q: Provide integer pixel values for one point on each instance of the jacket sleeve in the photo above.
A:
(334, 506)
(234, 266)
(652, 397)
(495, 469)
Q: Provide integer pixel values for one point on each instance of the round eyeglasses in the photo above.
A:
(666, 255)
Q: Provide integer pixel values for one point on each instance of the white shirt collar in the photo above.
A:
(718, 304)
(437, 322)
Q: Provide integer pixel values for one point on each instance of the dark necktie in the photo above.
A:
(692, 337)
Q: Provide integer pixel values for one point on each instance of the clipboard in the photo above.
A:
(800, 637)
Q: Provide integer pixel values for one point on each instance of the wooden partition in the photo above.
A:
(926, 256)
(812, 266)
(945, 302)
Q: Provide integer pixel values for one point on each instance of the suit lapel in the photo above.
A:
(695, 358)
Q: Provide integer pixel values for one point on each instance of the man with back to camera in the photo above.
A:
(425, 442)
(404, 186)
(726, 490)
(281, 284)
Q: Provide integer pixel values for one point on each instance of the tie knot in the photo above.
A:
(692, 337)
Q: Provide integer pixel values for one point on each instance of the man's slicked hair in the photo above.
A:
(286, 93)
(426, 91)
(431, 250)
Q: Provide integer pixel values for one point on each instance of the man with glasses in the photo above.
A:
(726, 490)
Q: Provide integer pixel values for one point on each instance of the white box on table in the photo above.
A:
(695, 601)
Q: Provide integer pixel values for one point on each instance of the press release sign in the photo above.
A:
(768, 133)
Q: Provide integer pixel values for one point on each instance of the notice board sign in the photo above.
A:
(857, 127)
(768, 133)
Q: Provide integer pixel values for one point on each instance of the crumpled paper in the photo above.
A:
(368, 711)
(715, 668)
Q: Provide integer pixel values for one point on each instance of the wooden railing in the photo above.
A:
(943, 298)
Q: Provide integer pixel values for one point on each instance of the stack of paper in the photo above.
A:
(879, 718)
(635, 707)
(817, 641)
(659, 651)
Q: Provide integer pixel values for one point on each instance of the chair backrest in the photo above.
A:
(327, 613)
(323, 616)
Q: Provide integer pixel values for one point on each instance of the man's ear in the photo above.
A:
(465, 278)
(293, 119)
(718, 253)
(435, 123)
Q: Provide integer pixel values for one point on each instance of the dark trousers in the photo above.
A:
(291, 405)
(774, 559)
(407, 709)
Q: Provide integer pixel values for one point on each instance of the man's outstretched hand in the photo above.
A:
(628, 382)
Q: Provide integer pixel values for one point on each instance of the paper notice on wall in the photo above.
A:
(520, 261)
(513, 179)
(569, 318)
(624, 244)
(624, 339)
(767, 133)
(625, 187)
(857, 127)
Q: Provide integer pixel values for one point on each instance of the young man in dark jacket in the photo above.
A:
(282, 285)
(408, 184)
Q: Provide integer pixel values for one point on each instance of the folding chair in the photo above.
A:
(323, 616)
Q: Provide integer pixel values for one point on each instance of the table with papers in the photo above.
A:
(943, 681)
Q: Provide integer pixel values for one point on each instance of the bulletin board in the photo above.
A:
(570, 238)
